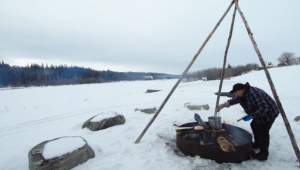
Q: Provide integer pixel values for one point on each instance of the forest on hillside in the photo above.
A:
(215, 73)
(41, 75)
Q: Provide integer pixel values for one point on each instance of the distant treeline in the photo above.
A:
(215, 73)
(40, 75)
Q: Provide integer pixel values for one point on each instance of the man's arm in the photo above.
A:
(234, 100)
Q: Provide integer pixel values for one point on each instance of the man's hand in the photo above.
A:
(221, 106)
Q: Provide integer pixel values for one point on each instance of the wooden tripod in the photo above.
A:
(287, 125)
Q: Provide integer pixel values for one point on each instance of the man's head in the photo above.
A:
(238, 89)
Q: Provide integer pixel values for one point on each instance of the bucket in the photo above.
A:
(215, 122)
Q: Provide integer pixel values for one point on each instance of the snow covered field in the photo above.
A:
(32, 115)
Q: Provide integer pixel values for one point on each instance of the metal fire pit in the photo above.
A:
(190, 143)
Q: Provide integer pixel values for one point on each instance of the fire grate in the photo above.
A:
(206, 145)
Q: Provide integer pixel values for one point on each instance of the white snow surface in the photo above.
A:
(29, 116)
(62, 146)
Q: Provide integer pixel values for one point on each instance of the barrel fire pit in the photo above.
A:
(206, 143)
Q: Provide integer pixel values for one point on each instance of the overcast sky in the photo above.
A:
(144, 35)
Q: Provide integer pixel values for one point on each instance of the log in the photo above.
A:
(152, 91)
(192, 127)
(213, 131)
(225, 145)
(224, 62)
(227, 94)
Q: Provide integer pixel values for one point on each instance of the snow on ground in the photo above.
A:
(32, 115)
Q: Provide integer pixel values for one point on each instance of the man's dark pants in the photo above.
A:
(261, 135)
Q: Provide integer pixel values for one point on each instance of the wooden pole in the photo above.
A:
(183, 74)
(225, 59)
(287, 125)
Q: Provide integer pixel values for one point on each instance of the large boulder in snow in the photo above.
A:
(147, 110)
(104, 120)
(60, 153)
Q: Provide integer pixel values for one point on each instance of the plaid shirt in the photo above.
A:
(257, 104)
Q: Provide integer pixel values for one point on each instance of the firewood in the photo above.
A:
(225, 145)
(213, 131)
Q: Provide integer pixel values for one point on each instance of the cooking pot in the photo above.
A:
(215, 122)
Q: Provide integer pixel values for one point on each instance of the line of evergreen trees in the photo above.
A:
(40, 75)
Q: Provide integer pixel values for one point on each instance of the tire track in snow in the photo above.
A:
(13, 129)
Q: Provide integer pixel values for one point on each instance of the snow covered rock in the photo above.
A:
(148, 110)
(104, 120)
(60, 153)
